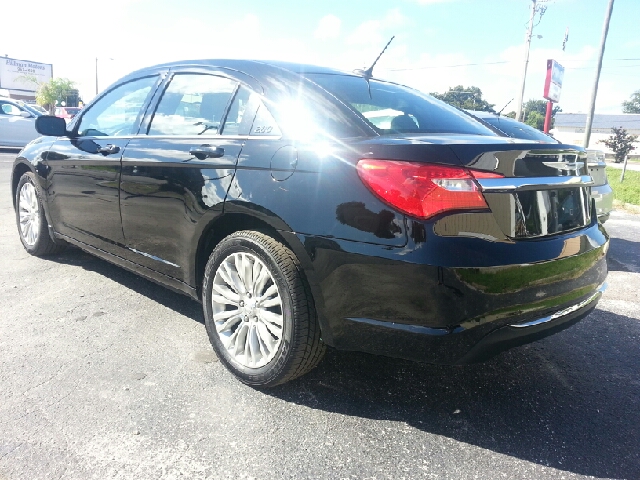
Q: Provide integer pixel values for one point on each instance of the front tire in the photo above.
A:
(31, 220)
(259, 312)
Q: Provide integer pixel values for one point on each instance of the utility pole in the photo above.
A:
(527, 45)
(594, 92)
(536, 7)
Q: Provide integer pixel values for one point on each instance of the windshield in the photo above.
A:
(515, 129)
(392, 108)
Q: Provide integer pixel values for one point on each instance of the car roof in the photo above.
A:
(247, 66)
(483, 114)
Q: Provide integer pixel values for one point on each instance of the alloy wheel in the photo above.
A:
(29, 213)
(247, 309)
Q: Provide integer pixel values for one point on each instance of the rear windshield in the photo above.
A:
(391, 108)
(515, 129)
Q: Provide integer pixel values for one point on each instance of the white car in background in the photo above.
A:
(601, 191)
(17, 124)
(37, 108)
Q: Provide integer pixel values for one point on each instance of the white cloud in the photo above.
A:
(328, 27)
(394, 19)
(366, 33)
(429, 73)
(428, 2)
(376, 33)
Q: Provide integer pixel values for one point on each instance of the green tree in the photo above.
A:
(633, 104)
(467, 98)
(532, 105)
(620, 142)
(535, 119)
(54, 91)
(535, 112)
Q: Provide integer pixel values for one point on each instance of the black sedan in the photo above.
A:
(306, 207)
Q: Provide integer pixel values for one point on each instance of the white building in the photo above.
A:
(569, 128)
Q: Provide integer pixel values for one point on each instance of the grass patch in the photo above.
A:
(627, 191)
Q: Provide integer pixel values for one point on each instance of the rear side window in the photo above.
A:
(240, 115)
(193, 104)
(391, 108)
(264, 124)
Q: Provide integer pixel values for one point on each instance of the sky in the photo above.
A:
(438, 43)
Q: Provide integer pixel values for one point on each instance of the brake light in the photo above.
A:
(423, 190)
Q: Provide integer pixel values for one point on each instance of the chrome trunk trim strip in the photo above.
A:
(532, 183)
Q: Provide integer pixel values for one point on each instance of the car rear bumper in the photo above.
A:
(518, 334)
(460, 306)
(460, 346)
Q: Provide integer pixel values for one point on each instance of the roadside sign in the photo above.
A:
(20, 74)
(553, 82)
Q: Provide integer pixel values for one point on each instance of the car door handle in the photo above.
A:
(109, 149)
(204, 151)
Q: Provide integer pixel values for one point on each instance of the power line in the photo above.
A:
(505, 62)
(447, 66)
(608, 66)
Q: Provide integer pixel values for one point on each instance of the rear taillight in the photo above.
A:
(423, 190)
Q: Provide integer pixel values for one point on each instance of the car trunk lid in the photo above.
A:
(545, 190)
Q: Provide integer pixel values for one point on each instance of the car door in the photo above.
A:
(180, 171)
(84, 168)
(16, 128)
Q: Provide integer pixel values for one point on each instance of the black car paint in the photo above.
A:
(382, 282)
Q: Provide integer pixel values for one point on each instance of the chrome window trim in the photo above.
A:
(169, 137)
(212, 137)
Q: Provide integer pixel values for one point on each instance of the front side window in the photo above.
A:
(392, 108)
(193, 104)
(116, 113)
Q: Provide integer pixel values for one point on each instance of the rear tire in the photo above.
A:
(259, 312)
(31, 220)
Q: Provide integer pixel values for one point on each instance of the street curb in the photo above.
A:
(628, 207)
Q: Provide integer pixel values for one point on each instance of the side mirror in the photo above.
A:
(51, 126)
(24, 114)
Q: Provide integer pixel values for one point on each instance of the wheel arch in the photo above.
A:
(18, 171)
(234, 221)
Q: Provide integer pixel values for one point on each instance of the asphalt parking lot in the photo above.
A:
(106, 375)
